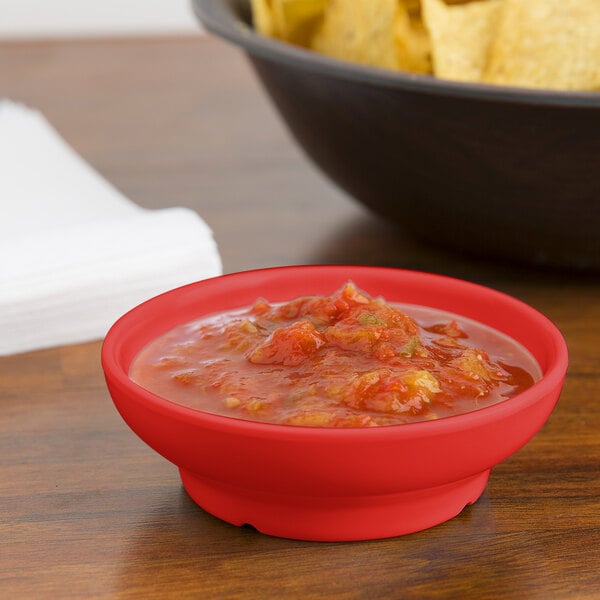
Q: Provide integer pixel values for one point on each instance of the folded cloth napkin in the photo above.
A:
(75, 254)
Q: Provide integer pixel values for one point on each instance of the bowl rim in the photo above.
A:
(550, 382)
(219, 18)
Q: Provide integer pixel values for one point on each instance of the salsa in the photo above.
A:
(344, 360)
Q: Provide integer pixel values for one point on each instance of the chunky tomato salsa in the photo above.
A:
(345, 360)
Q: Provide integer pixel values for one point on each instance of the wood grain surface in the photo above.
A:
(87, 510)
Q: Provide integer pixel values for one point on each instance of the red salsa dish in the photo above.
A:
(345, 360)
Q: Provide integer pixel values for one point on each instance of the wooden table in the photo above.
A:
(87, 510)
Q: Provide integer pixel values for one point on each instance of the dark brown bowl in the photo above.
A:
(498, 171)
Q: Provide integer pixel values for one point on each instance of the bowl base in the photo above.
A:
(335, 518)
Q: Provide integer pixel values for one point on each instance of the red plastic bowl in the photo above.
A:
(324, 483)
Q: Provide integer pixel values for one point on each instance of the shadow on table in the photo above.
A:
(179, 547)
(369, 240)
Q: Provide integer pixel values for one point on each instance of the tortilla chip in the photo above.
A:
(362, 31)
(296, 20)
(412, 43)
(412, 6)
(262, 17)
(461, 36)
(548, 44)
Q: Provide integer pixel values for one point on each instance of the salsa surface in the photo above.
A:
(345, 360)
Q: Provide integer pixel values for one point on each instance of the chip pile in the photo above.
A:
(552, 44)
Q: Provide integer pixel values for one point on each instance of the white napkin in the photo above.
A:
(75, 254)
